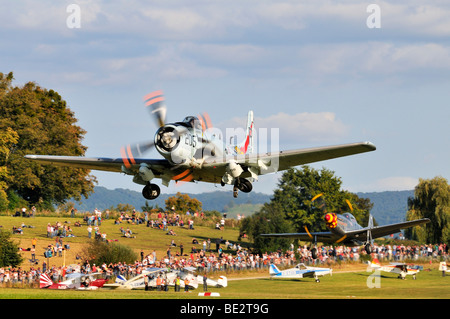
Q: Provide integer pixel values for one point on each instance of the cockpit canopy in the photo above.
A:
(191, 121)
(349, 217)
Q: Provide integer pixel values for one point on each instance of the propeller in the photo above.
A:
(155, 103)
(329, 217)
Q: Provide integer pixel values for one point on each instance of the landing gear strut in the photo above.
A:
(151, 191)
(243, 185)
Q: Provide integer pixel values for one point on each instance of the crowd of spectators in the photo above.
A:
(212, 261)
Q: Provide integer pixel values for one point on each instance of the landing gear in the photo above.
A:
(314, 253)
(368, 248)
(243, 185)
(151, 191)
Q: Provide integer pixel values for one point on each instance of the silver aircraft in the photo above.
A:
(194, 151)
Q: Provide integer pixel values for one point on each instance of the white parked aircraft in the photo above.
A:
(194, 151)
(299, 271)
(397, 268)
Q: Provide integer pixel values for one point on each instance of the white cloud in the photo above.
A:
(298, 128)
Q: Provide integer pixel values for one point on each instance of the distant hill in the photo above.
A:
(389, 207)
(104, 198)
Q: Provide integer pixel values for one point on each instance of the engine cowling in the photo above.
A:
(169, 142)
(331, 220)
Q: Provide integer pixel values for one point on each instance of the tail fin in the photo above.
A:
(45, 281)
(273, 270)
(375, 263)
(370, 221)
(246, 147)
(120, 279)
(223, 281)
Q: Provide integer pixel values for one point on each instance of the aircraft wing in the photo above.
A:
(97, 163)
(323, 237)
(359, 235)
(265, 163)
(381, 231)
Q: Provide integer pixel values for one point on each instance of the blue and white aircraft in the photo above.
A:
(299, 271)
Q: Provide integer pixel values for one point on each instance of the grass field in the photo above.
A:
(349, 281)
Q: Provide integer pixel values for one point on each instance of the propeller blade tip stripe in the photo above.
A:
(153, 94)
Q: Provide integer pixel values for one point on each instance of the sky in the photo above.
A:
(321, 72)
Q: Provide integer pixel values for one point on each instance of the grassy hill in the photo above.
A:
(390, 206)
(146, 238)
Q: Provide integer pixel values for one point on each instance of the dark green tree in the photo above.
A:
(9, 251)
(270, 219)
(8, 138)
(45, 125)
(297, 188)
(431, 200)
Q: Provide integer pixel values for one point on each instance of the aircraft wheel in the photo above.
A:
(368, 249)
(151, 191)
(314, 253)
(317, 280)
(244, 185)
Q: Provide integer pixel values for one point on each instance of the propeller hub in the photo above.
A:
(167, 138)
(331, 220)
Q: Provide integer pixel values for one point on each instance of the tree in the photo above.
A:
(297, 188)
(8, 139)
(183, 203)
(431, 200)
(45, 125)
(9, 251)
(99, 252)
(268, 220)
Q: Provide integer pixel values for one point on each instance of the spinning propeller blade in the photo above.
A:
(155, 102)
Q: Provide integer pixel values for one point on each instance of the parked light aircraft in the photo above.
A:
(401, 269)
(344, 229)
(299, 271)
(137, 282)
(76, 281)
(194, 151)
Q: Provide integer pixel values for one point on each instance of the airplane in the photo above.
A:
(76, 281)
(401, 269)
(299, 271)
(193, 151)
(137, 282)
(344, 229)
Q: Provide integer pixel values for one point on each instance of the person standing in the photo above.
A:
(177, 283)
(205, 282)
(146, 282)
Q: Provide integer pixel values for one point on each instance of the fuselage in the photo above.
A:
(341, 223)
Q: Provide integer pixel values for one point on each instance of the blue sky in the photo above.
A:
(313, 69)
